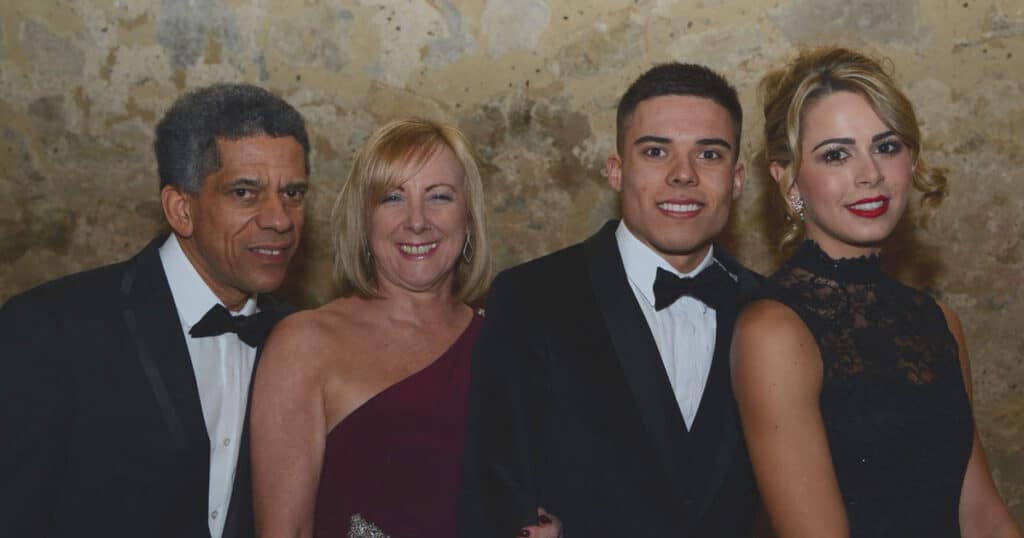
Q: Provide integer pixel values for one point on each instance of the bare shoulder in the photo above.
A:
(770, 340)
(306, 341)
(299, 332)
(767, 313)
(770, 323)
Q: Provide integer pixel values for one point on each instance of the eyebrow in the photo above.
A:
(258, 184)
(651, 139)
(844, 141)
(401, 187)
(244, 182)
(850, 141)
(880, 136)
(700, 142)
(714, 142)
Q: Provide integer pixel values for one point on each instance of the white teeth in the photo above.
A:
(270, 252)
(417, 250)
(868, 206)
(679, 208)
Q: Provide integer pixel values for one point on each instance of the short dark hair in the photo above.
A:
(186, 137)
(678, 79)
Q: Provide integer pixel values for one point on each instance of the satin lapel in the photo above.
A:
(155, 331)
(636, 350)
(240, 522)
(731, 437)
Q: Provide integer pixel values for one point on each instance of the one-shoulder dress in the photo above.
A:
(893, 401)
(391, 468)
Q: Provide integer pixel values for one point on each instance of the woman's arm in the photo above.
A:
(982, 512)
(288, 431)
(776, 375)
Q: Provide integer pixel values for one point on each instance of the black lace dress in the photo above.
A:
(892, 398)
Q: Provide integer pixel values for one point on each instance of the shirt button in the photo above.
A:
(227, 441)
(213, 514)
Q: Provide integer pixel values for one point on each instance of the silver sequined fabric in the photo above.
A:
(360, 528)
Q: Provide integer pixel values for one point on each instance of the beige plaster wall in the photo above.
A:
(534, 83)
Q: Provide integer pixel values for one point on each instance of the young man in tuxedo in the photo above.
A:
(124, 396)
(601, 386)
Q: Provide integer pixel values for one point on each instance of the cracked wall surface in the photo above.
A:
(534, 83)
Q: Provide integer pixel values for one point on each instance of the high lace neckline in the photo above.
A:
(862, 269)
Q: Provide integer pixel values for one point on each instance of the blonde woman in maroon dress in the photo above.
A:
(359, 406)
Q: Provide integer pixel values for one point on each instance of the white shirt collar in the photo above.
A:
(642, 263)
(192, 297)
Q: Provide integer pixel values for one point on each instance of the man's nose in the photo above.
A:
(274, 215)
(682, 173)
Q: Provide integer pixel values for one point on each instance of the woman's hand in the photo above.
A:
(548, 526)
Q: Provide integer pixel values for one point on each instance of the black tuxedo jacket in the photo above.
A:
(99, 408)
(571, 409)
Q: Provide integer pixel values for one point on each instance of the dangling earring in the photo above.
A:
(467, 248)
(797, 203)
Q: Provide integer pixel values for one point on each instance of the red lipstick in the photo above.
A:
(869, 207)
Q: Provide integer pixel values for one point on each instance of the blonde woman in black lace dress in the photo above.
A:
(854, 389)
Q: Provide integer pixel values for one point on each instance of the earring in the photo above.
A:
(467, 248)
(797, 203)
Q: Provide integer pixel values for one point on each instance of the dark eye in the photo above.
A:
(295, 194)
(242, 192)
(655, 152)
(834, 155)
(890, 146)
(709, 155)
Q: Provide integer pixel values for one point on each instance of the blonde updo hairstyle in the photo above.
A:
(788, 92)
(387, 159)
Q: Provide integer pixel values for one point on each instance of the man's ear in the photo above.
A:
(739, 174)
(177, 210)
(776, 169)
(614, 168)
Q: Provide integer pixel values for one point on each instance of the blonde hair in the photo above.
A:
(380, 166)
(814, 73)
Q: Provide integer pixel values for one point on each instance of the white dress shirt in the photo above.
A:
(222, 366)
(683, 331)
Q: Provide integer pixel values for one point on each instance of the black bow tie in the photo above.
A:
(711, 286)
(252, 329)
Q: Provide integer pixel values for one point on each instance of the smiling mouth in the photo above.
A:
(271, 254)
(870, 207)
(684, 208)
(417, 250)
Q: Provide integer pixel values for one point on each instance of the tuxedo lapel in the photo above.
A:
(156, 335)
(717, 403)
(636, 351)
(240, 514)
(718, 396)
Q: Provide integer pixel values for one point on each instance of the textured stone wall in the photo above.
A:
(534, 83)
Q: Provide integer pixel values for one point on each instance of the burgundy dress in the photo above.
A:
(391, 468)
